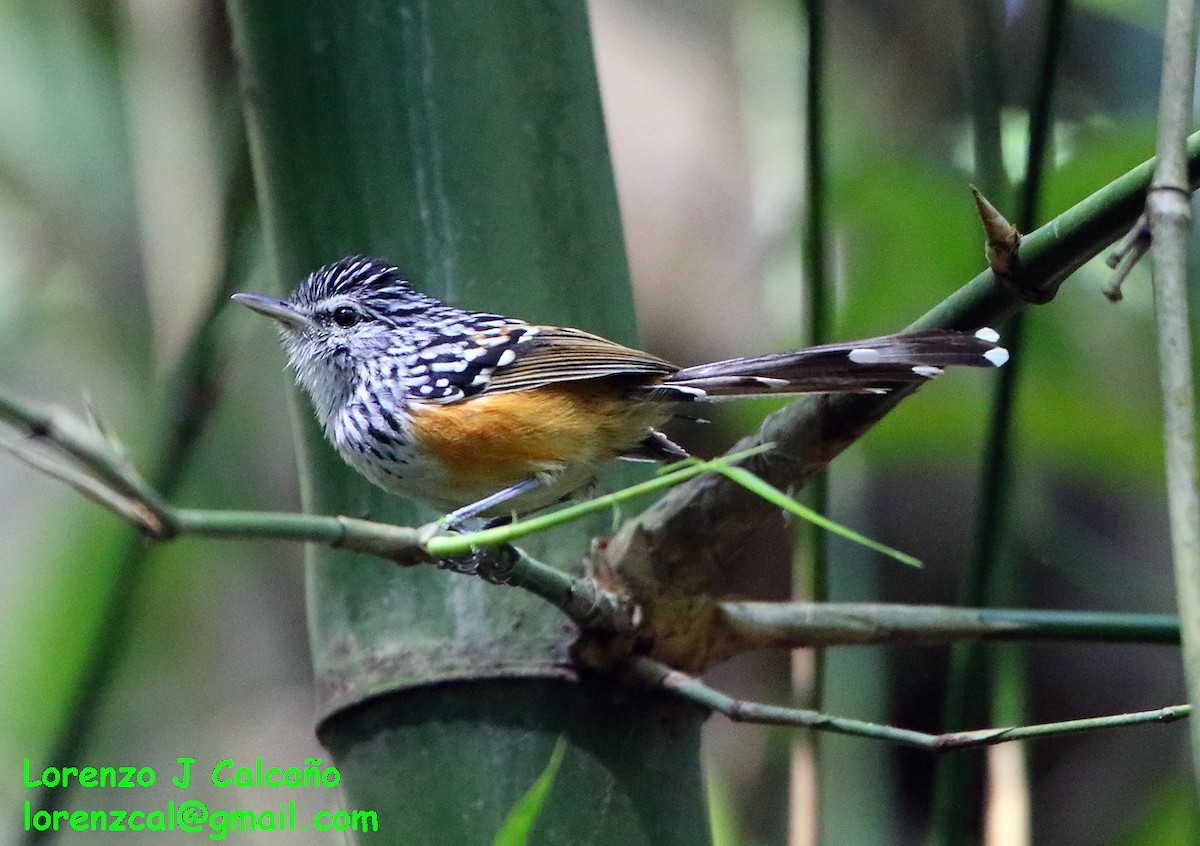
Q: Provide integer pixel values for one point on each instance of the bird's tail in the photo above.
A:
(868, 366)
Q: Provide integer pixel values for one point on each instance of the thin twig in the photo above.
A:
(130, 510)
(653, 674)
(89, 448)
(1125, 256)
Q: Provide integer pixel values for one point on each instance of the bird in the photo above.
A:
(484, 415)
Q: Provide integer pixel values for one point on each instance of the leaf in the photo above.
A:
(775, 496)
(519, 822)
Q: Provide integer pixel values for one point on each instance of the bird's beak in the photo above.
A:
(276, 309)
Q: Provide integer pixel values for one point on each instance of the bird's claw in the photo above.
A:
(492, 564)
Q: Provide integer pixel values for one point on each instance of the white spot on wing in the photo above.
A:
(507, 357)
(926, 371)
(988, 334)
(448, 366)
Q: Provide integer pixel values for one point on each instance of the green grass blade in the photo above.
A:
(519, 822)
(775, 496)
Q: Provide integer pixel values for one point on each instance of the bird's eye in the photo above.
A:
(345, 316)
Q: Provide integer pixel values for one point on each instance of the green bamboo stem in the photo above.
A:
(818, 316)
(806, 823)
(463, 140)
(808, 624)
(954, 813)
(973, 673)
(1168, 212)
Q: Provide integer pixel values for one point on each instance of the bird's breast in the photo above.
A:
(503, 437)
(452, 454)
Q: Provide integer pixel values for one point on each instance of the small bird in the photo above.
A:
(480, 414)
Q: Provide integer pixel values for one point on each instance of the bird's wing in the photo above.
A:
(555, 354)
(520, 356)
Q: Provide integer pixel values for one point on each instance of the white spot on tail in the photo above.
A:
(767, 381)
(698, 393)
(997, 356)
(926, 371)
(988, 334)
(865, 355)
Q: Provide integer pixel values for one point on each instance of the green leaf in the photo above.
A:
(775, 496)
(519, 822)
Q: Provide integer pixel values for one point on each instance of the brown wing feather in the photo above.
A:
(559, 354)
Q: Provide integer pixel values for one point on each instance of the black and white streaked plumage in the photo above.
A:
(488, 414)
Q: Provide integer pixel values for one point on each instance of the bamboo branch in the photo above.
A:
(94, 464)
(1169, 216)
(651, 673)
(807, 624)
(973, 675)
(1166, 225)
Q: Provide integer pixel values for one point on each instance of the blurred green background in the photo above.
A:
(116, 124)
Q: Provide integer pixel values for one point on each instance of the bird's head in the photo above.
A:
(341, 324)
